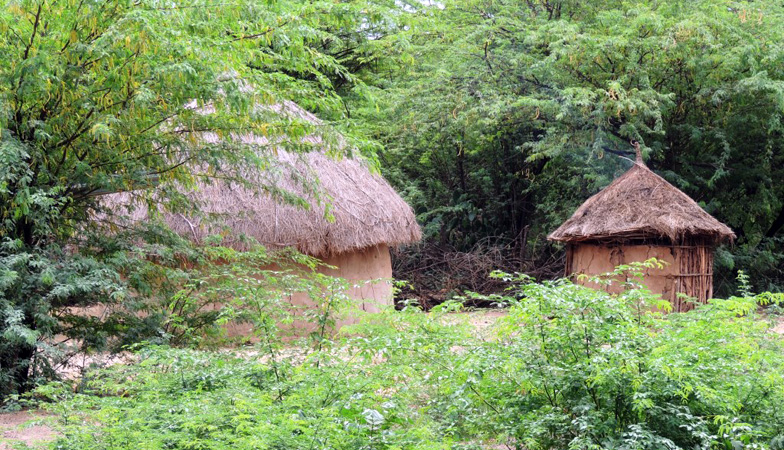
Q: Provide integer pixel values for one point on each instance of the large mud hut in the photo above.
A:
(344, 214)
(640, 216)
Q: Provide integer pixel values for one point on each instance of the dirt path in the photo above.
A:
(780, 327)
(17, 428)
(484, 319)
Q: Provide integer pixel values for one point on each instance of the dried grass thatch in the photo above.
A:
(364, 209)
(641, 205)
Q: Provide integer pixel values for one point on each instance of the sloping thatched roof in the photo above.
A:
(366, 209)
(640, 205)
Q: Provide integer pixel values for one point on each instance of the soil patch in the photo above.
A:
(24, 427)
(779, 328)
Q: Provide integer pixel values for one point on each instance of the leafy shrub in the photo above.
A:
(567, 367)
(573, 367)
(606, 371)
(189, 399)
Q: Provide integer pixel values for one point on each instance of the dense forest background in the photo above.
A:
(496, 119)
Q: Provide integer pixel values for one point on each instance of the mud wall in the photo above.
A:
(370, 271)
(687, 270)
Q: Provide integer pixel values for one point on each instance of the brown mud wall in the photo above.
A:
(687, 270)
(368, 271)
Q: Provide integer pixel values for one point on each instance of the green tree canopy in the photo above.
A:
(514, 113)
(106, 96)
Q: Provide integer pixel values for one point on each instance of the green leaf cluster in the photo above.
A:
(510, 115)
(567, 367)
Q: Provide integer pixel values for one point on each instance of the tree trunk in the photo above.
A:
(16, 364)
(777, 224)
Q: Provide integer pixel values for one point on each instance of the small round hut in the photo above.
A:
(367, 218)
(641, 216)
(343, 213)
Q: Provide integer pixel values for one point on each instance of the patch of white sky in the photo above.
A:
(412, 6)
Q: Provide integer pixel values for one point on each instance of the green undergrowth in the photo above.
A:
(567, 368)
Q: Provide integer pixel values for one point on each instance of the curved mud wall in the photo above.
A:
(688, 269)
(370, 271)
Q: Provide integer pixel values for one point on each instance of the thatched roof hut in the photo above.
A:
(321, 205)
(343, 212)
(365, 210)
(638, 216)
(640, 205)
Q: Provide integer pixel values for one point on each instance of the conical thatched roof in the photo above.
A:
(640, 205)
(365, 209)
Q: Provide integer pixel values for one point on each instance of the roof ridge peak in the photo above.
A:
(637, 153)
(641, 201)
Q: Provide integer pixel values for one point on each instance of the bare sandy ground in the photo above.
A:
(780, 327)
(23, 427)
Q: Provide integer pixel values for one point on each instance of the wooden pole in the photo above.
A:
(637, 153)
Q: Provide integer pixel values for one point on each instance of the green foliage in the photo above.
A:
(122, 291)
(567, 367)
(602, 371)
(512, 114)
(107, 96)
(199, 400)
